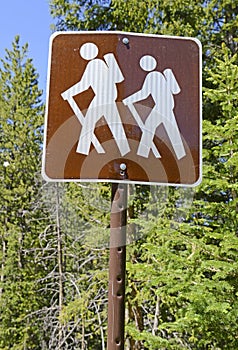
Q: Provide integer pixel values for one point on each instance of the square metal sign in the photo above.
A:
(123, 103)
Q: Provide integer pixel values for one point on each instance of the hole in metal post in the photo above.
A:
(119, 279)
(118, 341)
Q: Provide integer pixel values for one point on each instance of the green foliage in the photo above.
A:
(161, 17)
(20, 147)
(190, 280)
(182, 280)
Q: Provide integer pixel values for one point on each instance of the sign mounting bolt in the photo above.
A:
(125, 41)
(123, 166)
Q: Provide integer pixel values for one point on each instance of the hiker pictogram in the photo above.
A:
(102, 76)
(162, 87)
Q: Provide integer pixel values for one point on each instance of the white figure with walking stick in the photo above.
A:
(101, 75)
(162, 87)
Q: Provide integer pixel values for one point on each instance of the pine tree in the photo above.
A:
(20, 148)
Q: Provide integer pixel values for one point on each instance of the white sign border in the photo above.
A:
(57, 33)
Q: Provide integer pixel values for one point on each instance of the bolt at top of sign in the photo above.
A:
(131, 95)
(125, 41)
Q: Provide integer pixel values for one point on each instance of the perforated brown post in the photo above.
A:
(117, 267)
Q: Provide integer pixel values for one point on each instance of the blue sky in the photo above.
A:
(31, 20)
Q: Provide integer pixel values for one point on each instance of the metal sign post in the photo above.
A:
(117, 266)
